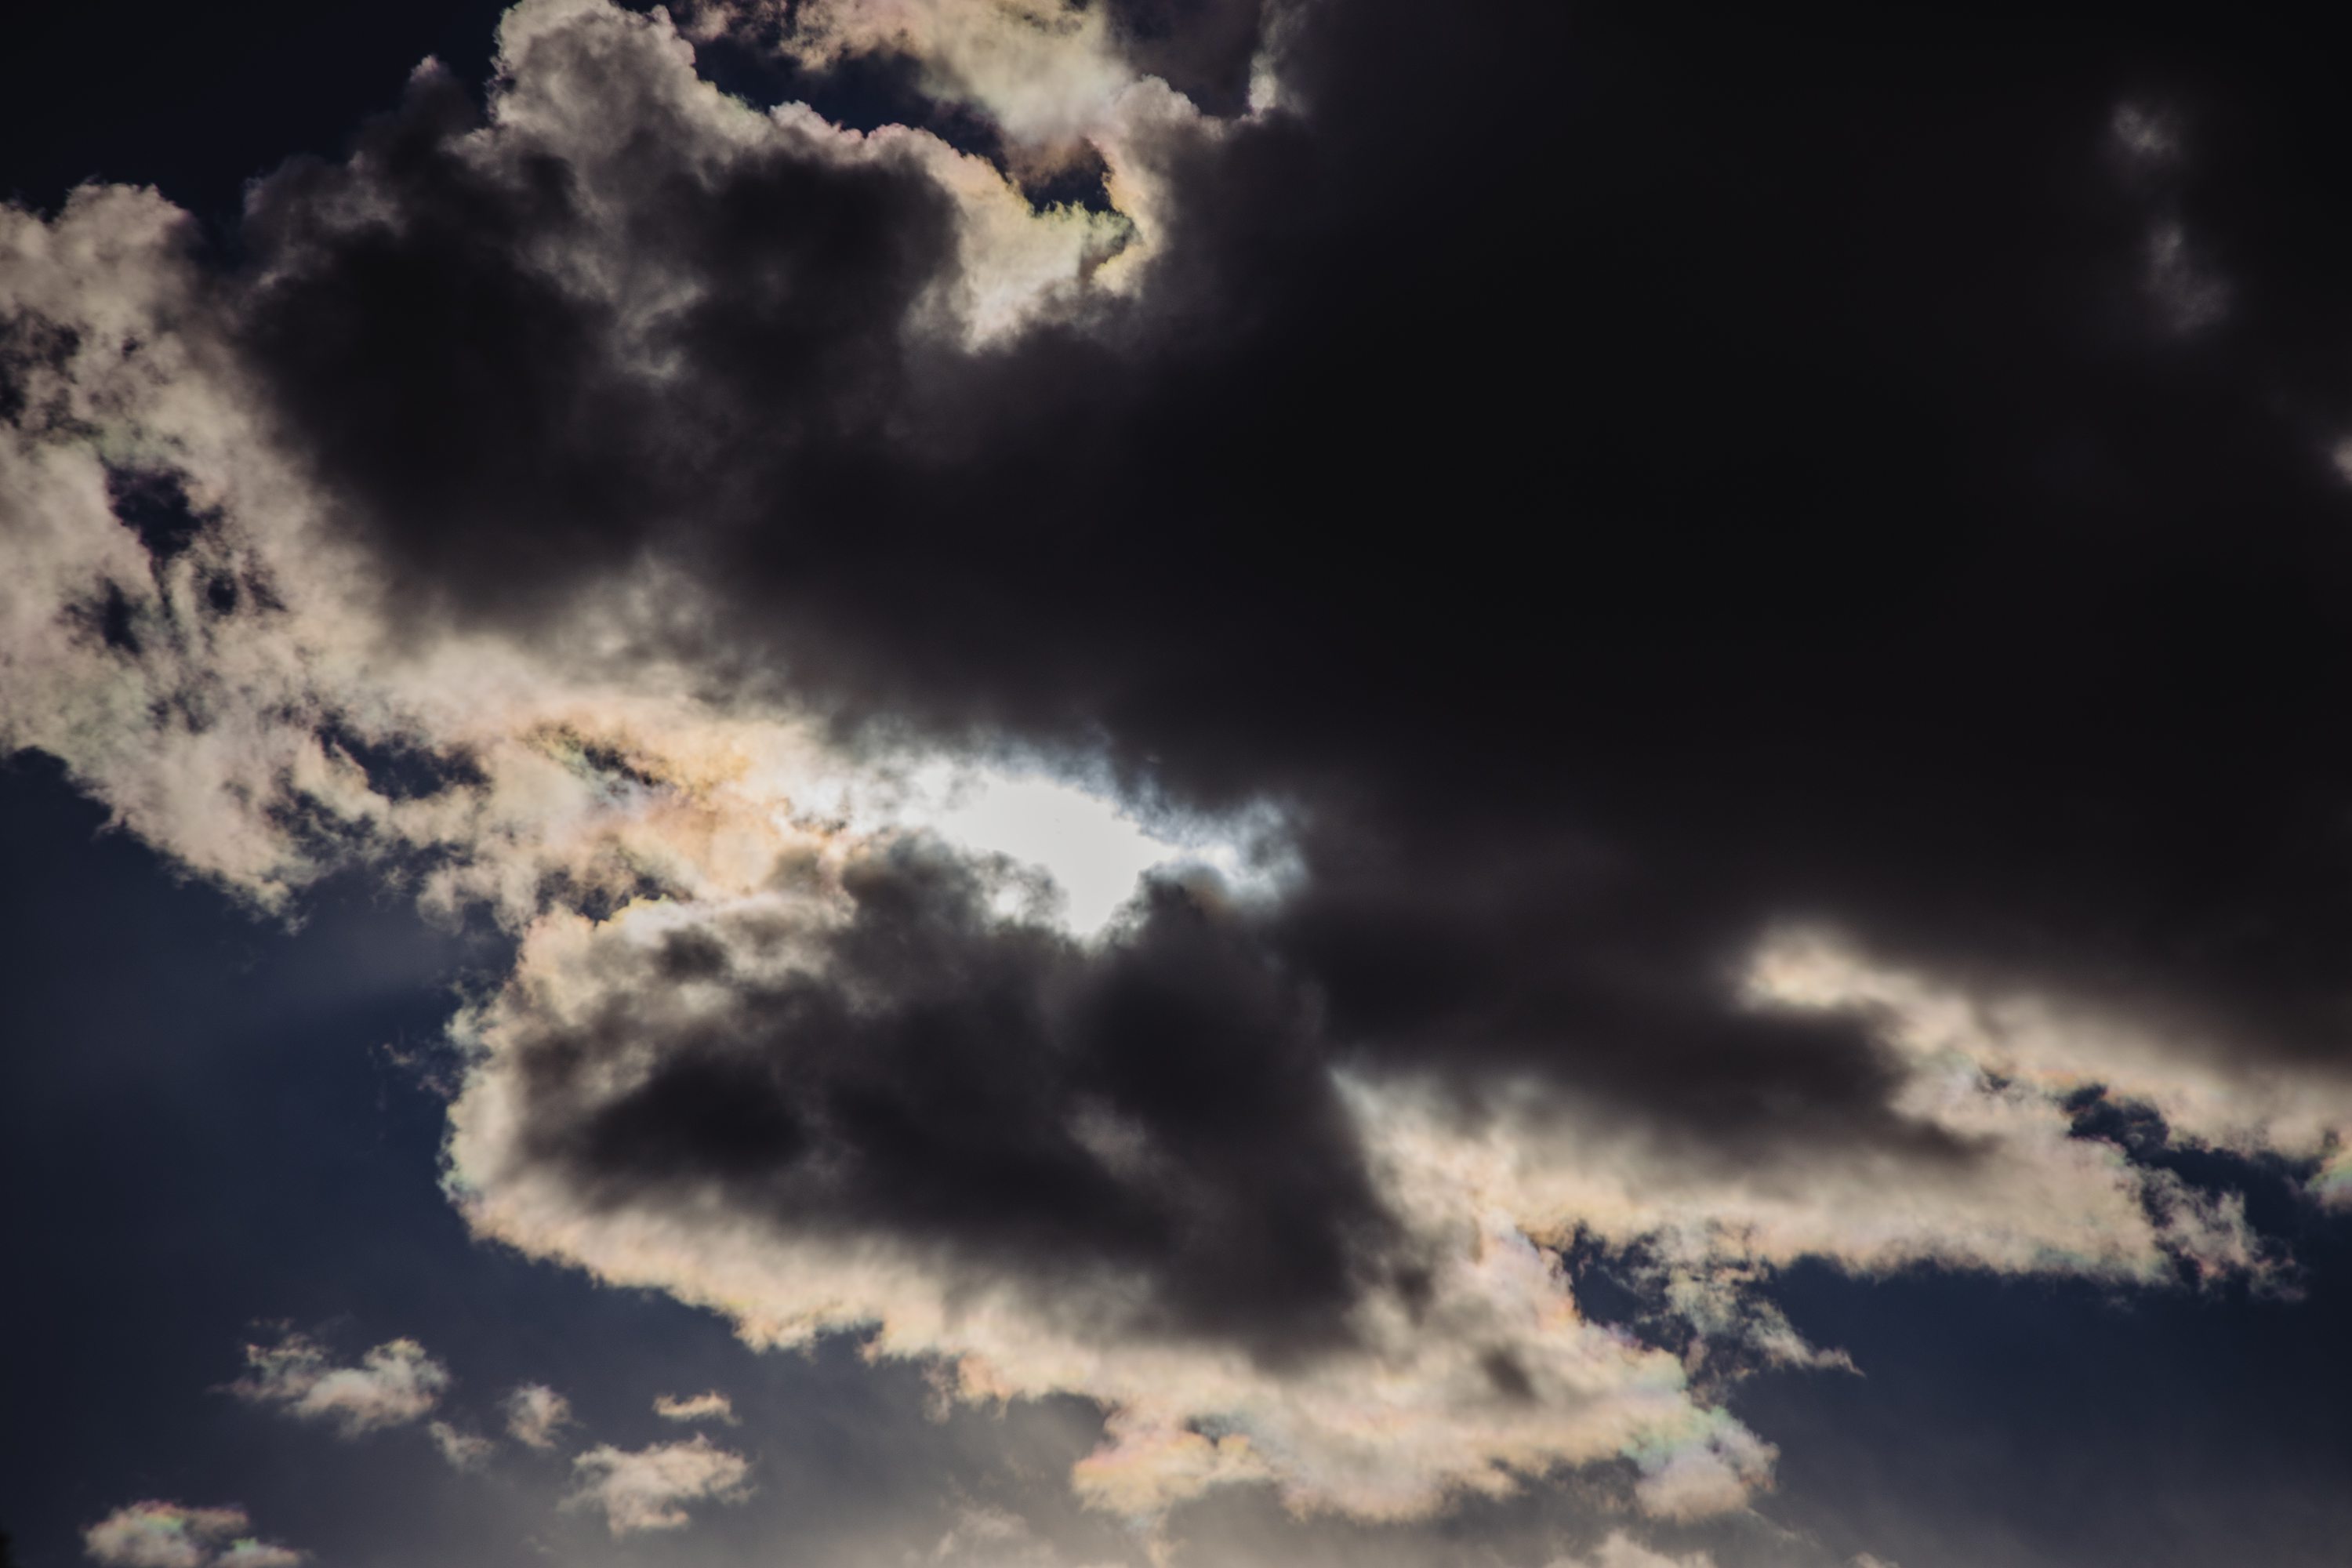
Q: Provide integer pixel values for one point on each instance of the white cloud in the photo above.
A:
(647, 1488)
(711, 1406)
(535, 1413)
(393, 1383)
(170, 1535)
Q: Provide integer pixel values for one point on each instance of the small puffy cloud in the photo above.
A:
(465, 1450)
(535, 1413)
(395, 1383)
(711, 1406)
(256, 1554)
(170, 1535)
(647, 1488)
(1621, 1551)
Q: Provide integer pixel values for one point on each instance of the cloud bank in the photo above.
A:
(1720, 823)
(465, 1450)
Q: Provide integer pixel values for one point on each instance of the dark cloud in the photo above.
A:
(989, 1092)
(510, 429)
(1620, 484)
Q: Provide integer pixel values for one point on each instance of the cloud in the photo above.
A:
(392, 1384)
(170, 1535)
(1733, 809)
(711, 1406)
(2149, 136)
(1042, 73)
(1039, 1220)
(647, 1488)
(258, 1554)
(2188, 294)
(2056, 1053)
(1619, 1550)
(464, 1450)
(983, 1537)
(535, 1414)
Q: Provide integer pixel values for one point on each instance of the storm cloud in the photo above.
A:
(1794, 661)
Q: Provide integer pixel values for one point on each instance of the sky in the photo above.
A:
(1186, 784)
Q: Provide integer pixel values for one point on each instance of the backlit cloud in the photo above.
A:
(464, 1450)
(648, 1488)
(170, 1535)
(992, 1538)
(1003, 861)
(536, 1413)
(1619, 1550)
(392, 1384)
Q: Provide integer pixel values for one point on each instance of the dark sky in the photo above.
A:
(1219, 782)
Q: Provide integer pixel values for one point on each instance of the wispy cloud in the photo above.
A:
(983, 1537)
(536, 1413)
(464, 1450)
(710, 1407)
(648, 1488)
